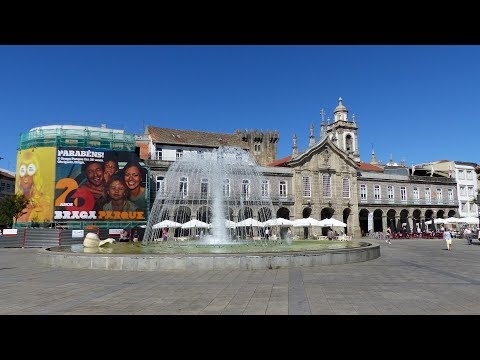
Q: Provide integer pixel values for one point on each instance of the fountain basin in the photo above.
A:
(138, 257)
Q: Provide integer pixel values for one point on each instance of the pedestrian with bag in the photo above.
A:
(447, 235)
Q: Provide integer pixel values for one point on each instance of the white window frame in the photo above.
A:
(306, 186)
(179, 154)
(203, 194)
(282, 189)
(390, 192)
(403, 193)
(416, 193)
(183, 189)
(428, 194)
(377, 192)
(160, 184)
(346, 188)
(440, 194)
(327, 185)
(265, 190)
(470, 190)
(363, 192)
(226, 188)
(246, 188)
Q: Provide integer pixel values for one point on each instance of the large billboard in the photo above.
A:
(98, 184)
(34, 179)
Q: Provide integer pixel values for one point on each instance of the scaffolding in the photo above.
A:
(77, 136)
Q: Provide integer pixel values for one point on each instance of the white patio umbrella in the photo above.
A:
(166, 224)
(278, 222)
(229, 224)
(306, 222)
(249, 222)
(469, 220)
(194, 223)
(436, 221)
(332, 222)
(451, 220)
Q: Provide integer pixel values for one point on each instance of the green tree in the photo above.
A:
(11, 208)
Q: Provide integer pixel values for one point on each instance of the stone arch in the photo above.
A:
(204, 213)
(164, 215)
(348, 143)
(181, 215)
(440, 214)
(416, 220)
(245, 213)
(363, 221)
(429, 216)
(283, 212)
(230, 214)
(377, 220)
(346, 213)
(326, 213)
(403, 220)
(307, 212)
(264, 214)
(391, 220)
(452, 213)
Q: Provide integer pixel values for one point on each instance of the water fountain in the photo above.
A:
(212, 188)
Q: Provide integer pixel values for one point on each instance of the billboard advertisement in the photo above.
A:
(99, 184)
(35, 179)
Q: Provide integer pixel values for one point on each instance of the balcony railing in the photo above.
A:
(409, 202)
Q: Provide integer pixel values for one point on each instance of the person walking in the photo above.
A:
(447, 235)
(468, 235)
(388, 235)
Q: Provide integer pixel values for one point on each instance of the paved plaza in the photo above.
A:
(410, 277)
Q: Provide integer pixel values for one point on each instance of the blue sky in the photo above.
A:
(417, 103)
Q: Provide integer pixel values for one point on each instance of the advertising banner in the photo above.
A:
(98, 184)
(35, 179)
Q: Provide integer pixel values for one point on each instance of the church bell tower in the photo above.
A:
(343, 132)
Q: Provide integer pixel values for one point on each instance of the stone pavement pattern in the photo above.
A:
(410, 277)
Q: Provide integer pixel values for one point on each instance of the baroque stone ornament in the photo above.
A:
(326, 156)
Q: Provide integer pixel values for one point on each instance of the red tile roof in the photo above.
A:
(195, 138)
(368, 167)
(280, 162)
